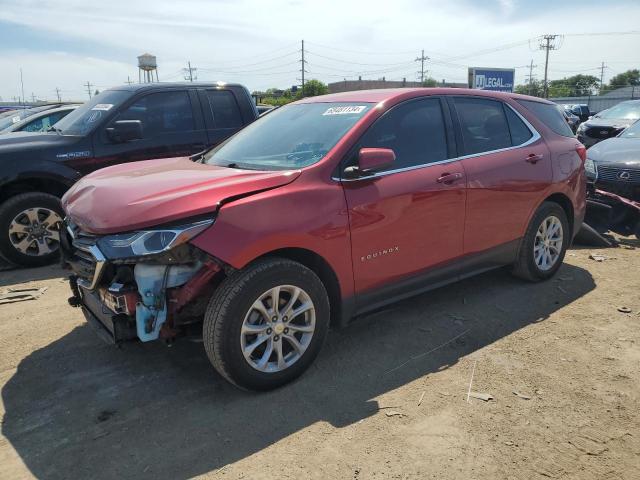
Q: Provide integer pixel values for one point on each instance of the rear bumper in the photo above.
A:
(111, 327)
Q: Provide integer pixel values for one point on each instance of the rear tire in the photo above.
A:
(42, 214)
(544, 244)
(240, 315)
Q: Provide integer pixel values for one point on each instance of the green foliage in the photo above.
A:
(535, 89)
(574, 86)
(313, 88)
(277, 101)
(628, 78)
(430, 82)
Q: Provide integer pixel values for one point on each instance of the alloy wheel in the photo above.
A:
(35, 232)
(278, 328)
(547, 247)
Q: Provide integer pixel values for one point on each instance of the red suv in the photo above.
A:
(323, 210)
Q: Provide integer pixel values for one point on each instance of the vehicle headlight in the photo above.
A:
(149, 242)
(590, 167)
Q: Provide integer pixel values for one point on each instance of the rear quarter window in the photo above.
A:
(548, 114)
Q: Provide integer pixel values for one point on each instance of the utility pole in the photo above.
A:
(89, 85)
(33, 98)
(58, 94)
(302, 70)
(531, 67)
(129, 80)
(547, 44)
(22, 85)
(421, 59)
(189, 72)
(601, 77)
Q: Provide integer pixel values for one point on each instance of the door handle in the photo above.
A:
(449, 178)
(534, 158)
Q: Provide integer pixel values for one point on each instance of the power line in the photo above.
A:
(302, 67)
(602, 76)
(531, 65)
(421, 59)
(546, 45)
(189, 72)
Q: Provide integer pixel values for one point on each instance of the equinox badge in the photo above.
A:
(380, 253)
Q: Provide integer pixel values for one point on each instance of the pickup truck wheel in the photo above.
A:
(29, 229)
(265, 324)
(544, 245)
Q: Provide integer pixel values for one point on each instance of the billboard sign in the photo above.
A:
(495, 79)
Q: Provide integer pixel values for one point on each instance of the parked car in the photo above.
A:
(19, 115)
(609, 123)
(123, 124)
(613, 165)
(581, 111)
(572, 120)
(42, 121)
(322, 210)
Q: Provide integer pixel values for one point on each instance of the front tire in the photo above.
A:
(29, 229)
(544, 245)
(256, 346)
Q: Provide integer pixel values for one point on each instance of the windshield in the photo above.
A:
(623, 111)
(84, 118)
(290, 137)
(18, 115)
(632, 132)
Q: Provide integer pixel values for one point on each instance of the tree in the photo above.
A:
(430, 82)
(535, 88)
(624, 79)
(313, 88)
(574, 86)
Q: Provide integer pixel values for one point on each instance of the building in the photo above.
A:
(350, 85)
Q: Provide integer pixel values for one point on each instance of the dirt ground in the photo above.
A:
(386, 399)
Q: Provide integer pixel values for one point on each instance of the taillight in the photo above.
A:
(582, 151)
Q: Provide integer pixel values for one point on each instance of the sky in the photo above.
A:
(65, 44)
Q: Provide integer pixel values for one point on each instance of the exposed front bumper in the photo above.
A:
(111, 327)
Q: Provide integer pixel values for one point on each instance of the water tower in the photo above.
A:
(146, 66)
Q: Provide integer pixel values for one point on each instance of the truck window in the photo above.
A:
(161, 112)
(224, 109)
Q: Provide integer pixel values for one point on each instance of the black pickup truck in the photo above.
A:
(123, 124)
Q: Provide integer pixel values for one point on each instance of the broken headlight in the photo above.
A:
(149, 242)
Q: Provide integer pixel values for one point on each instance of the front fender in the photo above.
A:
(299, 215)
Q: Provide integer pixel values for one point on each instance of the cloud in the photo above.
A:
(257, 43)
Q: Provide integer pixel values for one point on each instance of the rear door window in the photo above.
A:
(162, 112)
(520, 133)
(224, 109)
(415, 131)
(483, 124)
(548, 114)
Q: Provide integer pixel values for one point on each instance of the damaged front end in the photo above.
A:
(142, 285)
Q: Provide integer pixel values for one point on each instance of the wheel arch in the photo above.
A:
(322, 269)
(566, 205)
(51, 186)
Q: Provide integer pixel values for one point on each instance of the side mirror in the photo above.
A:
(123, 131)
(371, 160)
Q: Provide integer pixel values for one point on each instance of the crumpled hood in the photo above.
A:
(608, 122)
(144, 194)
(621, 151)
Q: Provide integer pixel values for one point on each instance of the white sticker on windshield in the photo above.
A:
(345, 110)
(103, 106)
(15, 119)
